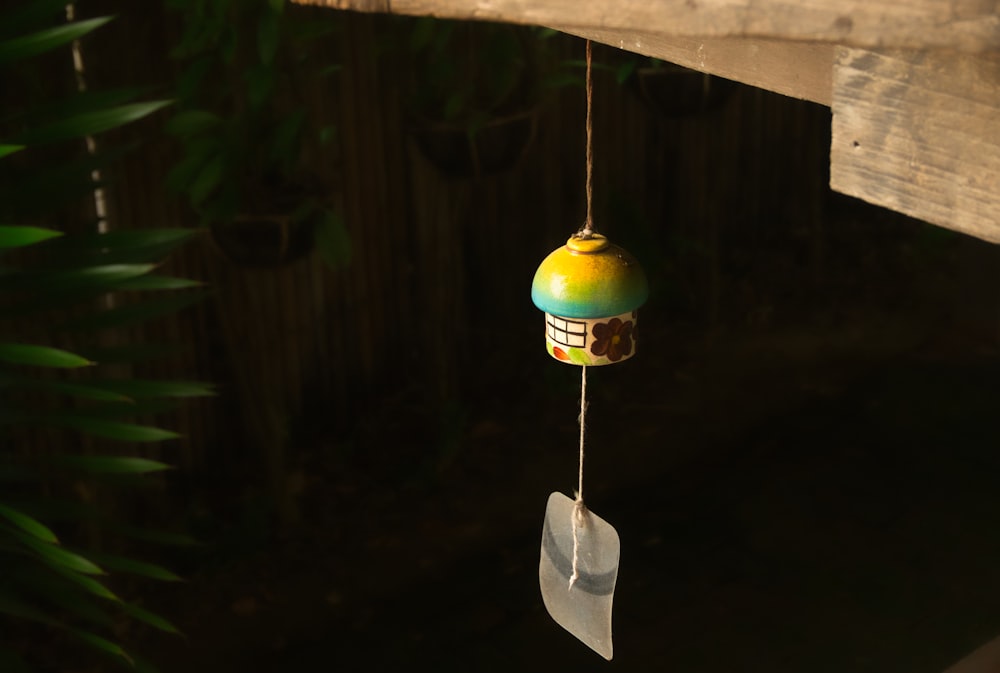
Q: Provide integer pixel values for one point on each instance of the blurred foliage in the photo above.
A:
(67, 287)
(242, 118)
(468, 73)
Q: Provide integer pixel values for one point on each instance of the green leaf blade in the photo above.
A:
(134, 567)
(19, 237)
(58, 556)
(333, 241)
(103, 644)
(141, 389)
(124, 432)
(110, 464)
(192, 123)
(6, 150)
(40, 356)
(107, 276)
(46, 40)
(153, 619)
(153, 282)
(28, 524)
(90, 123)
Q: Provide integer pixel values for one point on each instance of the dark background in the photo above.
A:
(801, 460)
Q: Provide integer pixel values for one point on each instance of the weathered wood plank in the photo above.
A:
(919, 132)
(986, 659)
(968, 25)
(798, 69)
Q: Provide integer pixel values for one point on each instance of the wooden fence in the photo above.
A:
(438, 264)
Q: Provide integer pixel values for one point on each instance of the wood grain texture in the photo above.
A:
(968, 25)
(919, 132)
(798, 69)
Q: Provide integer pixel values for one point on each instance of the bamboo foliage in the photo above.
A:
(65, 292)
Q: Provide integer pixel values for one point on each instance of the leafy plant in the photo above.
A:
(63, 290)
(242, 121)
(467, 73)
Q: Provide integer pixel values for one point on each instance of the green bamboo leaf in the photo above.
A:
(46, 40)
(132, 246)
(59, 556)
(140, 665)
(192, 122)
(259, 84)
(207, 179)
(139, 388)
(85, 582)
(154, 620)
(85, 101)
(126, 432)
(333, 241)
(287, 135)
(102, 644)
(40, 356)
(110, 464)
(28, 524)
(134, 567)
(6, 150)
(268, 36)
(131, 314)
(90, 123)
(155, 282)
(17, 237)
(182, 175)
(79, 280)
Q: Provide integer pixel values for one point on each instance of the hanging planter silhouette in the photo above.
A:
(474, 94)
(264, 240)
(496, 146)
(277, 226)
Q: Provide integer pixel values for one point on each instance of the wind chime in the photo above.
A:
(589, 290)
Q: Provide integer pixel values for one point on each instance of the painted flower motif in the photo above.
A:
(613, 339)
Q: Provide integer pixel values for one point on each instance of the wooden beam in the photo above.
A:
(984, 660)
(798, 69)
(919, 132)
(966, 25)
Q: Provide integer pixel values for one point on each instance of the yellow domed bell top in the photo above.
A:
(589, 277)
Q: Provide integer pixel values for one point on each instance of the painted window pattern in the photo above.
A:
(566, 332)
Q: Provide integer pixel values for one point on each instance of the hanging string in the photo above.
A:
(579, 508)
(588, 226)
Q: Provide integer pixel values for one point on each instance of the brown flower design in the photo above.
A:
(612, 338)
